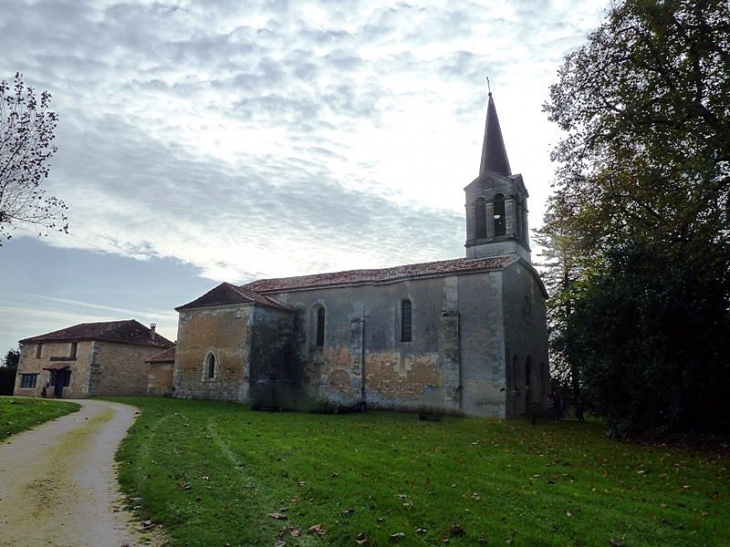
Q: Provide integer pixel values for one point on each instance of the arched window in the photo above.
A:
(480, 217)
(210, 365)
(320, 327)
(500, 224)
(406, 321)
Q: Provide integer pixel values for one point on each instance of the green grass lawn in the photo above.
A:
(20, 413)
(217, 474)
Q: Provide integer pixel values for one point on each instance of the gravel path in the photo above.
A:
(58, 485)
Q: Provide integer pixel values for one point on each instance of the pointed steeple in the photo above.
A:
(494, 153)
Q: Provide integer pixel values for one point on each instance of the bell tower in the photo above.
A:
(496, 201)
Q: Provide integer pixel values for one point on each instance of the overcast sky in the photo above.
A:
(217, 140)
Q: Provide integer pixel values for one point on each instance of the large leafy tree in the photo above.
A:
(26, 145)
(643, 189)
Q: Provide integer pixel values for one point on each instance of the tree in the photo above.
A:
(11, 359)
(642, 191)
(26, 135)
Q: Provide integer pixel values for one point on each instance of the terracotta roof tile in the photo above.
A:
(124, 332)
(167, 356)
(225, 293)
(384, 275)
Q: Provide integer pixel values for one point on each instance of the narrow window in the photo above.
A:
(72, 354)
(480, 217)
(66, 378)
(28, 381)
(210, 366)
(320, 327)
(500, 225)
(38, 350)
(406, 321)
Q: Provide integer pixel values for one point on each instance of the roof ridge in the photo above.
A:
(378, 275)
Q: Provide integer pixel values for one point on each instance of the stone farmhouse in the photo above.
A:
(465, 335)
(89, 359)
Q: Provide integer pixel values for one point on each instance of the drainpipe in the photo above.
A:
(362, 366)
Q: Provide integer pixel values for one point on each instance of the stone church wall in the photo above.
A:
(225, 332)
(482, 343)
(363, 357)
(526, 340)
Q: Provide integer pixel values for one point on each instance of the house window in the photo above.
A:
(38, 350)
(210, 366)
(480, 217)
(28, 381)
(72, 353)
(320, 327)
(406, 321)
(500, 224)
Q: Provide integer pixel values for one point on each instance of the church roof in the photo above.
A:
(384, 275)
(167, 356)
(494, 152)
(124, 332)
(226, 293)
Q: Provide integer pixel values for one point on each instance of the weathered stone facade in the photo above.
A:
(220, 353)
(462, 336)
(87, 360)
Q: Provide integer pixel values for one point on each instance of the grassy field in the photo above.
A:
(20, 413)
(219, 474)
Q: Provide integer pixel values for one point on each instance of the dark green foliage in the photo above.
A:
(11, 359)
(652, 344)
(8, 369)
(639, 224)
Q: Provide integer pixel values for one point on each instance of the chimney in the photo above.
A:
(153, 326)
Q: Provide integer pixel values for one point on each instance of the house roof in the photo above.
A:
(167, 356)
(124, 332)
(383, 275)
(225, 293)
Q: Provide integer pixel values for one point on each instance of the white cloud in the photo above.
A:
(278, 138)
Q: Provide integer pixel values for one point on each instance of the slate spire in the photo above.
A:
(494, 153)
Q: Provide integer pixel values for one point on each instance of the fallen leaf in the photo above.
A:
(455, 530)
(317, 529)
(362, 539)
(277, 516)
(397, 536)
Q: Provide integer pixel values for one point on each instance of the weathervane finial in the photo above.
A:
(489, 87)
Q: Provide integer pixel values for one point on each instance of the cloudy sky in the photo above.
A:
(210, 140)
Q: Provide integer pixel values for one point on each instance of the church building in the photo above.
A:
(463, 336)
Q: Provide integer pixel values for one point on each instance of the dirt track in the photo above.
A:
(58, 486)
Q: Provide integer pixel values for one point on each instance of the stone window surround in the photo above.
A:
(211, 353)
